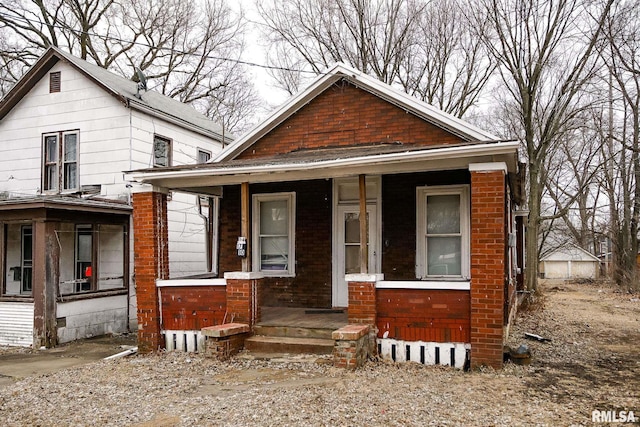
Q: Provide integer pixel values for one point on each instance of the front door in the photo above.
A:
(348, 249)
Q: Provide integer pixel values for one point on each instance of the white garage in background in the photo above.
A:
(570, 262)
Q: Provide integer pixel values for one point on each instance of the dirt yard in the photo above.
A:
(591, 363)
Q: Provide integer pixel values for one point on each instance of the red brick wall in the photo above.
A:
(151, 261)
(192, 307)
(399, 218)
(362, 303)
(344, 115)
(487, 267)
(424, 315)
(311, 286)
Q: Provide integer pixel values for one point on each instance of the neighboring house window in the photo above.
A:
(54, 82)
(274, 234)
(27, 260)
(60, 156)
(442, 247)
(161, 151)
(203, 156)
(84, 255)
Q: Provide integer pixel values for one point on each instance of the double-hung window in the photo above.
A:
(60, 161)
(442, 247)
(274, 234)
(161, 151)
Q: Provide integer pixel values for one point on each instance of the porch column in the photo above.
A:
(46, 274)
(362, 298)
(364, 252)
(488, 252)
(151, 261)
(243, 297)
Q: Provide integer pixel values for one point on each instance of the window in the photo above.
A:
(273, 234)
(60, 161)
(84, 255)
(54, 82)
(27, 260)
(161, 151)
(203, 156)
(442, 247)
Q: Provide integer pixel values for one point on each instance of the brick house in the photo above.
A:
(439, 263)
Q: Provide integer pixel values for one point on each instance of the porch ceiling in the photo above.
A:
(327, 164)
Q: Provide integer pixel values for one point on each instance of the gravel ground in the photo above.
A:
(592, 363)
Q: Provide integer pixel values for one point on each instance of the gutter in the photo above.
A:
(500, 148)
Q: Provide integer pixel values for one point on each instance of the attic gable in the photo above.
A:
(343, 116)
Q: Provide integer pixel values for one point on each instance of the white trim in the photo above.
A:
(363, 277)
(488, 167)
(339, 71)
(421, 224)
(238, 174)
(290, 198)
(161, 283)
(424, 285)
(148, 188)
(243, 275)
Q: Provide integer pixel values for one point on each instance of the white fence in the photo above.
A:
(426, 353)
(189, 341)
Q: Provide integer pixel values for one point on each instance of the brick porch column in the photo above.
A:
(243, 297)
(488, 249)
(362, 298)
(151, 262)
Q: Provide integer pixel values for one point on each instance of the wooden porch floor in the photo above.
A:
(303, 317)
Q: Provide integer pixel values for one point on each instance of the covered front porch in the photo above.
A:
(290, 237)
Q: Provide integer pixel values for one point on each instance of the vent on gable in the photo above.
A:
(54, 82)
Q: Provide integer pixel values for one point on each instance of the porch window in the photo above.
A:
(84, 255)
(273, 231)
(161, 151)
(442, 248)
(17, 257)
(60, 161)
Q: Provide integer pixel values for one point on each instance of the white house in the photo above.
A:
(68, 129)
(569, 262)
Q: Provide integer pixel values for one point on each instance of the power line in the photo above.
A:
(33, 21)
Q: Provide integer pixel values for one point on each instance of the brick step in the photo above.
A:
(292, 331)
(266, 344)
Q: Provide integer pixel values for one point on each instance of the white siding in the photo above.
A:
(16, 323)
(102, 120)
(92, 317)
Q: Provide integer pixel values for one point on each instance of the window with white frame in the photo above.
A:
(203, 156)
(442, 247)
(274, 234)
(161, 151)
(60, 161)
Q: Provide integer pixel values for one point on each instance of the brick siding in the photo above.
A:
(344, 115)
(191, 308)
(424, 315)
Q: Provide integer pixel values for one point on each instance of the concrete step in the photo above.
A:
(292, 331)
(267, 344)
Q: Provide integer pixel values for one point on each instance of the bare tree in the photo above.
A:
(427, 48)
(188, 49)
(545, 55)
(622, 177)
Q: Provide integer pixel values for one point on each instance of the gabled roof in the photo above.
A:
(452, 124)
(570, 252)
(150, 102)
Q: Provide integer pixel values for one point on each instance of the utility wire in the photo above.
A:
(147, 45)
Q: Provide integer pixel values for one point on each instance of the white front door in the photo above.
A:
(347, 256)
